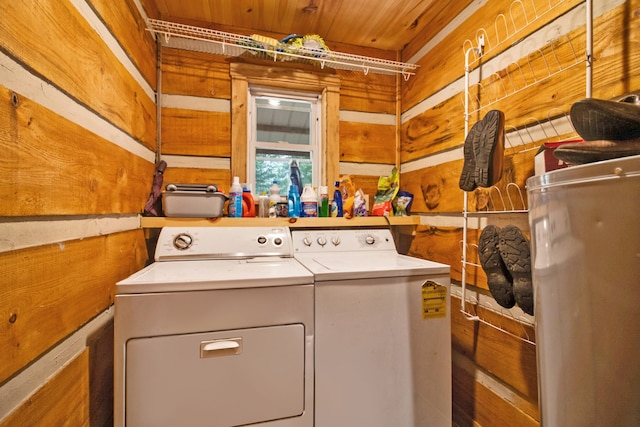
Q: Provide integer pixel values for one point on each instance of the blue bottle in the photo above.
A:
(293, 202)
(336, 203)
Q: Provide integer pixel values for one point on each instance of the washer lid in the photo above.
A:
(367, 265)
(189, 275)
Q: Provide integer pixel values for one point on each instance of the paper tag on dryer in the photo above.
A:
(434, 300)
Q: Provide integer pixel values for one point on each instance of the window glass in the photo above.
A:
(283, 128)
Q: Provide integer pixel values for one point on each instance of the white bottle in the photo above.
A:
(274, 199)
(235, 198)
(309, 202)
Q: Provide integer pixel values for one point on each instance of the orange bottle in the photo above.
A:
(248, 204)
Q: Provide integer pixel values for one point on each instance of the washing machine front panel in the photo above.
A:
(226, 378)
(379, 361)
(383, 331)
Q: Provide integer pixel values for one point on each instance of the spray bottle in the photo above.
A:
(296, 177)
(235, 198)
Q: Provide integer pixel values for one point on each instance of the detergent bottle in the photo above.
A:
(293, 202)
(309, 202)
(336, 204)
(248, 204)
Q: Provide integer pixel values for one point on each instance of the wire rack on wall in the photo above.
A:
(557, 56)
(199, 39)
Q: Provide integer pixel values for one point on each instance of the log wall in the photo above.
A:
(533, 69)
(77, 137)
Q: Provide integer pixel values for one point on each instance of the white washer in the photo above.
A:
(383, 331)
(219, 331)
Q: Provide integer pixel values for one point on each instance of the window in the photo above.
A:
(319, 86)
(283, 126)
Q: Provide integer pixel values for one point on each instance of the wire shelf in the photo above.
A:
(205, 40)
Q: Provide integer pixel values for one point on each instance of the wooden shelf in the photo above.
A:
(369, 221)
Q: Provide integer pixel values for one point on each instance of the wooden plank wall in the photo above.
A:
(77, 137)
(494, 371)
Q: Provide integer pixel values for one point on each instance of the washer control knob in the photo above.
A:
(322, 241)
(262, 240)
(182, 241)
(277, 241)
(370, 240)
(306, 241)
(335, 241)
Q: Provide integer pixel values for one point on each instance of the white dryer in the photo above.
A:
(383, 331)
(219, 331)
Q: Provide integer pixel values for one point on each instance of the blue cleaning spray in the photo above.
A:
(296, 176)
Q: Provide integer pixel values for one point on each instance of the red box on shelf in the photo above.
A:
(546, 161)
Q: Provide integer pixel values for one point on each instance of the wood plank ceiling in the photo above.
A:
(381, 24)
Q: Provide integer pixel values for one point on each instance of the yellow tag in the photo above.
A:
(434, 300)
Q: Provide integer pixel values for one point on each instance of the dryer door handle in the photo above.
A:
(222, 347)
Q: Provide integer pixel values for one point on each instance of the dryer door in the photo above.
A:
(224, 378)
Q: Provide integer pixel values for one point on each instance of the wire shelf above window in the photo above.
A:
(187, 37)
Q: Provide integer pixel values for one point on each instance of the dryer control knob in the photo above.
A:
(182, 241)
(322, 241)
(335, 241)
(306, 241)
(370, 240)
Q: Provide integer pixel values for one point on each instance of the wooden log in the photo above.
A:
(196, 133)
(367, 142)
(51, 166)
(506, 357)
(473, 399)
(219, 177)
(128, 27)
(371, 93)
(55, 41)
(61, 401)
(46, 293)
(195, 74)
